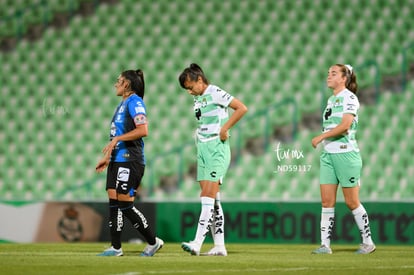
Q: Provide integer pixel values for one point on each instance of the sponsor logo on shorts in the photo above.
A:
(124, 186)
(123, 174)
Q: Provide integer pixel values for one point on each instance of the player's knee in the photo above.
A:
(352, 204)
(328, 202)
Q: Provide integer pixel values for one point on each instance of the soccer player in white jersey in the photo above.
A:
(213, 153)
(340, 161)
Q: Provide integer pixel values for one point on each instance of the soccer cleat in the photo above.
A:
(323, 249)
(366, 248)
(111, 252)
(150, 250)
(191, 247)
(217, 251)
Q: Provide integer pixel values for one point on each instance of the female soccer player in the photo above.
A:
(124, 157)
(340, 161)
(213, 153)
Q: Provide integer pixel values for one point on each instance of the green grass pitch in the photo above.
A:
(80, 258)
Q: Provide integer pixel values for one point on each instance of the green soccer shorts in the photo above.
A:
(213, 160)
(340, 168)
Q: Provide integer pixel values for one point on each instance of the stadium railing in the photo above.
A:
(404, 65)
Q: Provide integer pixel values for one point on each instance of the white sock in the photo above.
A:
(217, 227)
(362, 221)
(205, 220)
(327, 223)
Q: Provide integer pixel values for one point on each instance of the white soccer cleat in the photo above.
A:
(191, 247)
(366, 248)
(150, 250)
(217, 251)
(323, 249)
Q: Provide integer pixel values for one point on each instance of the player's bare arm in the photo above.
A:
(341, 129)
(239, 110)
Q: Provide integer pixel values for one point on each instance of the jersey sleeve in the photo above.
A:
(221, 97)
(137, 110)
(351, 104)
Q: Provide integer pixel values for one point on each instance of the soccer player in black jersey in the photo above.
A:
(124, 157)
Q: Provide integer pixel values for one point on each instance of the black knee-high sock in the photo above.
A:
(138, 220)
(116, 223)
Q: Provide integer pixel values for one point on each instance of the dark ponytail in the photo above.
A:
(140, 84)
(136, 80)
(192, 73)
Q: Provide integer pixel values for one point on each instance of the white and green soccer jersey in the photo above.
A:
(344, 102)
(210, 109)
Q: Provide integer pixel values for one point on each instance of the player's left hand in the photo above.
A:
(316, 141)
(110, 147)
(102, 164)
(224, 134)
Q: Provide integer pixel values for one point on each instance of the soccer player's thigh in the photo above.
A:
(327, 170)
(129, 177)
(219, 159)
(328, 181)
(111, 176)
(348, 168)
(201, 162)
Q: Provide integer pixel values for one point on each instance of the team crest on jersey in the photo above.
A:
(204, 103)
(337, 103)
(200, 104)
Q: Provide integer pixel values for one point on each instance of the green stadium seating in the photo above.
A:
(263, 52)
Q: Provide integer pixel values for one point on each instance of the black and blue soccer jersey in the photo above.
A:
(129, 113)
